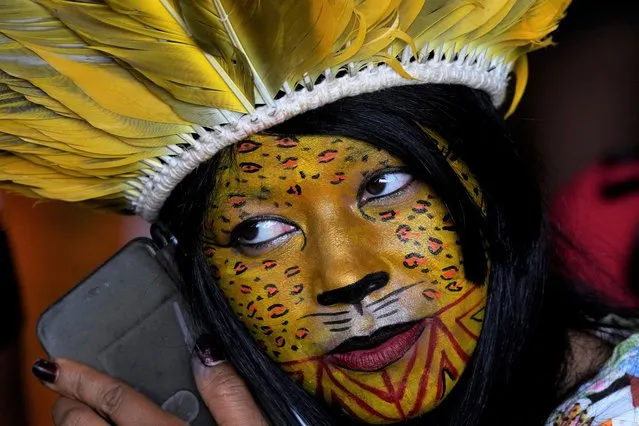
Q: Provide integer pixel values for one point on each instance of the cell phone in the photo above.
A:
(127, 320)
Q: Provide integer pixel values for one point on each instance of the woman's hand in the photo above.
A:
(90, 398)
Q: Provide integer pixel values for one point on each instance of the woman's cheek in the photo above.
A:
(417, 234)
(403, 229)
(269, 297)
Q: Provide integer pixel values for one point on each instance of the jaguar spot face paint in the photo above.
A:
(348, 272)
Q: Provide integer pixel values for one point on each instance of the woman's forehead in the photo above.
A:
(267, 160)
(309, 148)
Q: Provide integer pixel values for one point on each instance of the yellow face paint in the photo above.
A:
(347, 272)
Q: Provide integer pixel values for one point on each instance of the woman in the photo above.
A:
(365, 246)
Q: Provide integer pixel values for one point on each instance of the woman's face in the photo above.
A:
(347, 271)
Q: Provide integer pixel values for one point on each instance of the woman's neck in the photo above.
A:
(586, 356)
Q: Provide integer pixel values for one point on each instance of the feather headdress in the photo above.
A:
(113, 102)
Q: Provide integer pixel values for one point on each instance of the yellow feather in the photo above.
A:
(148, 37)
(377, 11)
(93, 92)
(85, 167)
(75, 133)
(408, 11)
(511, 11)
(378, 40)
(35, 95)
(76, 161)
(21, 62)
(127, 95)
(200, 114)
(351, 40)
(207, 29)
(65, 53)
(14, 105)
(521, 78)
(436, 18)
(47, 182)
(300, 45)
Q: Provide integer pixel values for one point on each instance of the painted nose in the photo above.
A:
(346, 254)
(353, 294)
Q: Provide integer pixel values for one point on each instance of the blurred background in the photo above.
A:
(54, 246)
(579, 115)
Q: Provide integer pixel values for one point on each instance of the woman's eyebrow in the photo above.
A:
(240, 196)
(263, 193)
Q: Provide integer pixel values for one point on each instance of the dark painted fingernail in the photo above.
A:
(45, 370)
(209, 352)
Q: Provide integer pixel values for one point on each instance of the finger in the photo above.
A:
(222, 389)
(69, 412)
(111, 398)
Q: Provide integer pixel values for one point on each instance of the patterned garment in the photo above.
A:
(611, 398)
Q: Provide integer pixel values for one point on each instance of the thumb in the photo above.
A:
(221, 388)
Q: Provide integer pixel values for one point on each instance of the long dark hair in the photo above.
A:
(516, 368)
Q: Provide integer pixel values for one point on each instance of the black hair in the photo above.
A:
(514, 373)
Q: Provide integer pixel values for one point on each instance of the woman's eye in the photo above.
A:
(260, 232)
(386, 184)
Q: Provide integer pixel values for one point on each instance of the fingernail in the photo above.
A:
(208, 351)
(45, 370)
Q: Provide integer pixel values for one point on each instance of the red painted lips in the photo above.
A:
(378, 357)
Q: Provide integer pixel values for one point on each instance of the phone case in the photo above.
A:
(127, 320)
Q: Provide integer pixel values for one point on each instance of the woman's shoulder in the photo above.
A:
(611, 398)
